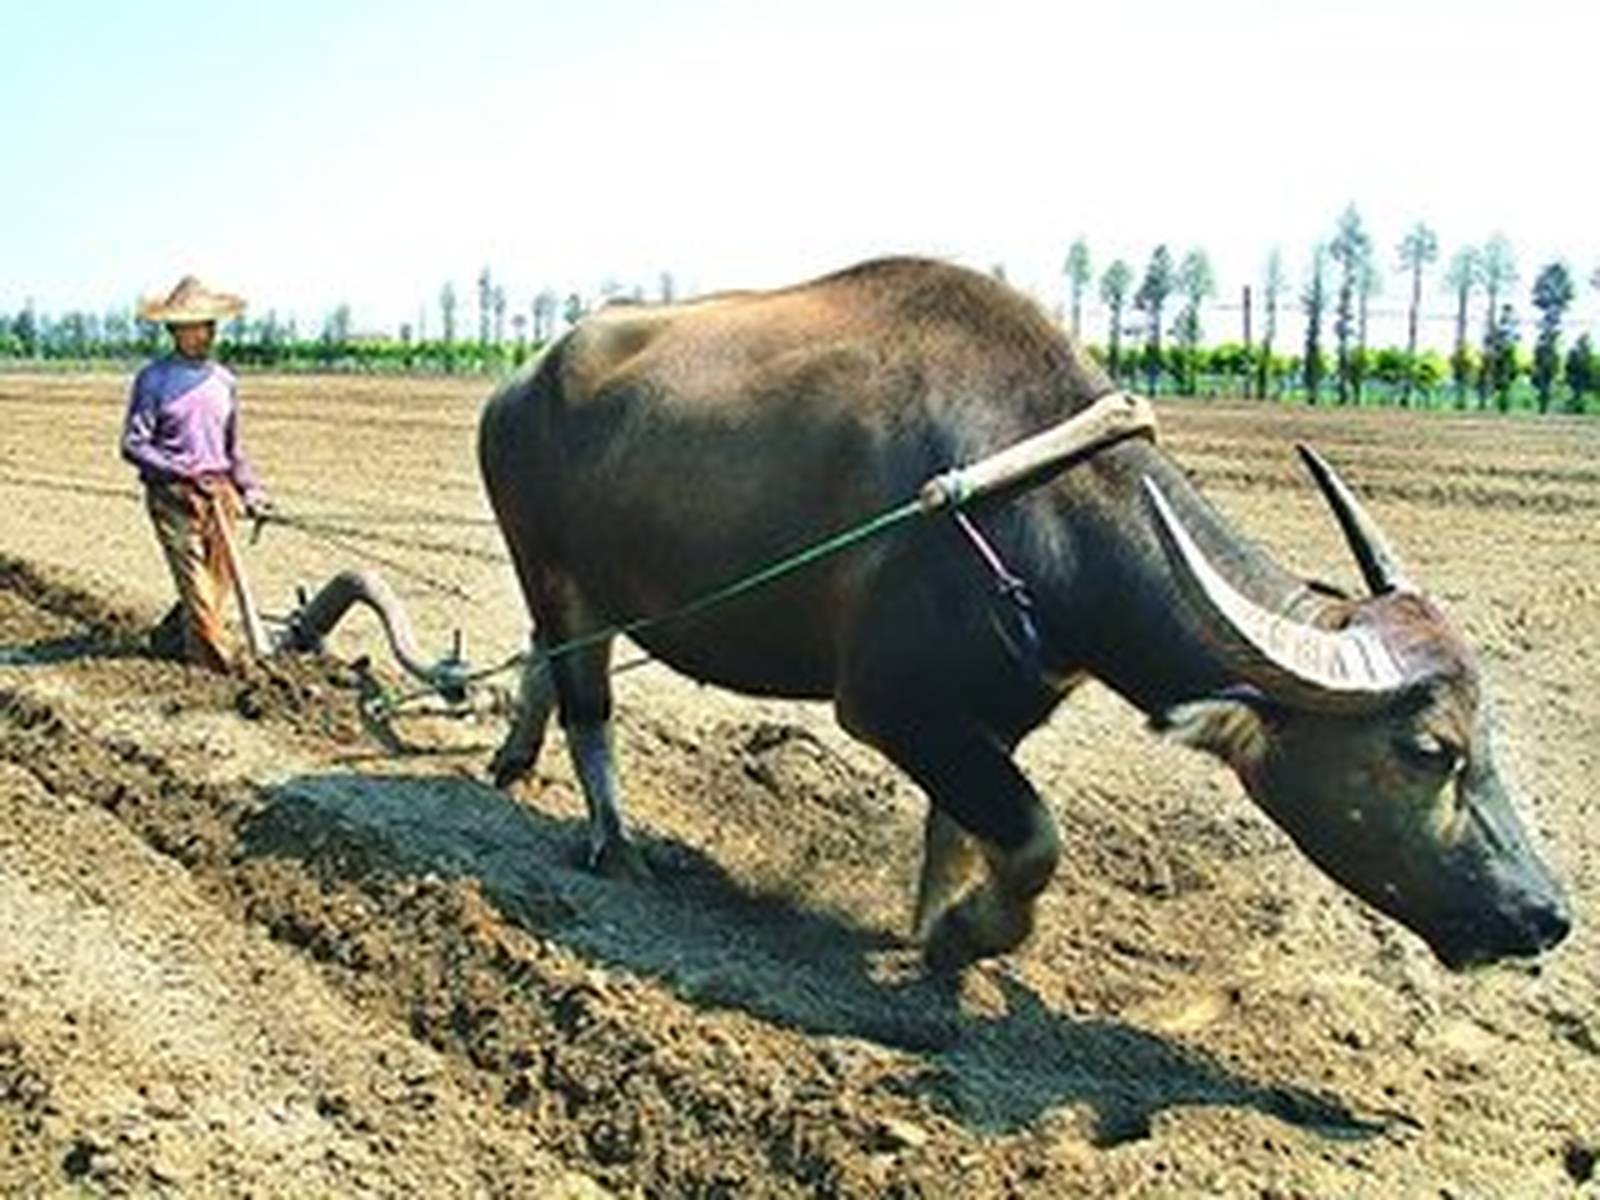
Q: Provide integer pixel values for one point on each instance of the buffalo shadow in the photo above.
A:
(717, 944)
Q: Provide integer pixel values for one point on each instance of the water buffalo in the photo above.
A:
(654, 453)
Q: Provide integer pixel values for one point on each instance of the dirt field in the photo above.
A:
(252, 944)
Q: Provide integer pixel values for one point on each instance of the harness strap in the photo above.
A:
(1004, 579)
(1011, 588)
(1109, 419)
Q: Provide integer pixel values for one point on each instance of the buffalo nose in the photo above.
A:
(1551, 923)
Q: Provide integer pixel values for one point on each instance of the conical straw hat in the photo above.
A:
(191, 300)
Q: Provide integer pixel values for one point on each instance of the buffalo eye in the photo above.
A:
(1429, 753)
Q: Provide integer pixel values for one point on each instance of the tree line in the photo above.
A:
(1493, 370)
(504, 338)
(1154, 340)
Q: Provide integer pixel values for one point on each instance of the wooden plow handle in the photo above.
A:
(255, 633)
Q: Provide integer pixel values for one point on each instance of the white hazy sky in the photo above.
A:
(313, 152)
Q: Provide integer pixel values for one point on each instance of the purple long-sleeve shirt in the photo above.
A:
(183, 421)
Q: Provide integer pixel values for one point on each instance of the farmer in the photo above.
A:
(182, 433)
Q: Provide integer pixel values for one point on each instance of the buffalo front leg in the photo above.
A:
(949, 859)
(536, 700)
(998, 915)
(984, 806)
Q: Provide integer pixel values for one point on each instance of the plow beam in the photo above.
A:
(316, 618)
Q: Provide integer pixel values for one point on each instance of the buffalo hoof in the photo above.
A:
(620, 860)
(507, 767)
(954, 943)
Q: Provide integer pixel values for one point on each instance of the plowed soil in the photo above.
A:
(255, 942)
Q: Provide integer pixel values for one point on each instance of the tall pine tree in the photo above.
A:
(1418, 248)
(1552, 294)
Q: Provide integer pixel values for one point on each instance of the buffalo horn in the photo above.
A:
(1348, 670)
(1380, 566)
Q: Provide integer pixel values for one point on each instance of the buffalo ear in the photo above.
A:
(1234, 725)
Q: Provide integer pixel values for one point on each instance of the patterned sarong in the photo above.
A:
(189, 518)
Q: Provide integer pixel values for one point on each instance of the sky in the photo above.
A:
(312, 153)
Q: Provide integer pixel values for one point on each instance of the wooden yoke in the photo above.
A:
(1111, 418)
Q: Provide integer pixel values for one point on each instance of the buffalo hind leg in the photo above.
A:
(577, 684)
(536, 700)
(583, 693)
(611, 850)
(970, 779)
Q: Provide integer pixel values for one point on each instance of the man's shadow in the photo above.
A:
(98, 630)
(719, 945)
(94, 644)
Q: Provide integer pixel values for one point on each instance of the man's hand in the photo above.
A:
(258, 506)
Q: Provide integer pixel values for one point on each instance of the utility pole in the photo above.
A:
(1244, 306)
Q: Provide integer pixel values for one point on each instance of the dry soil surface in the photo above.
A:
(254, 943)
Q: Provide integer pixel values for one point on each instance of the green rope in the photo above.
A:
(840, 541)
(748, 583)
(952, 489)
